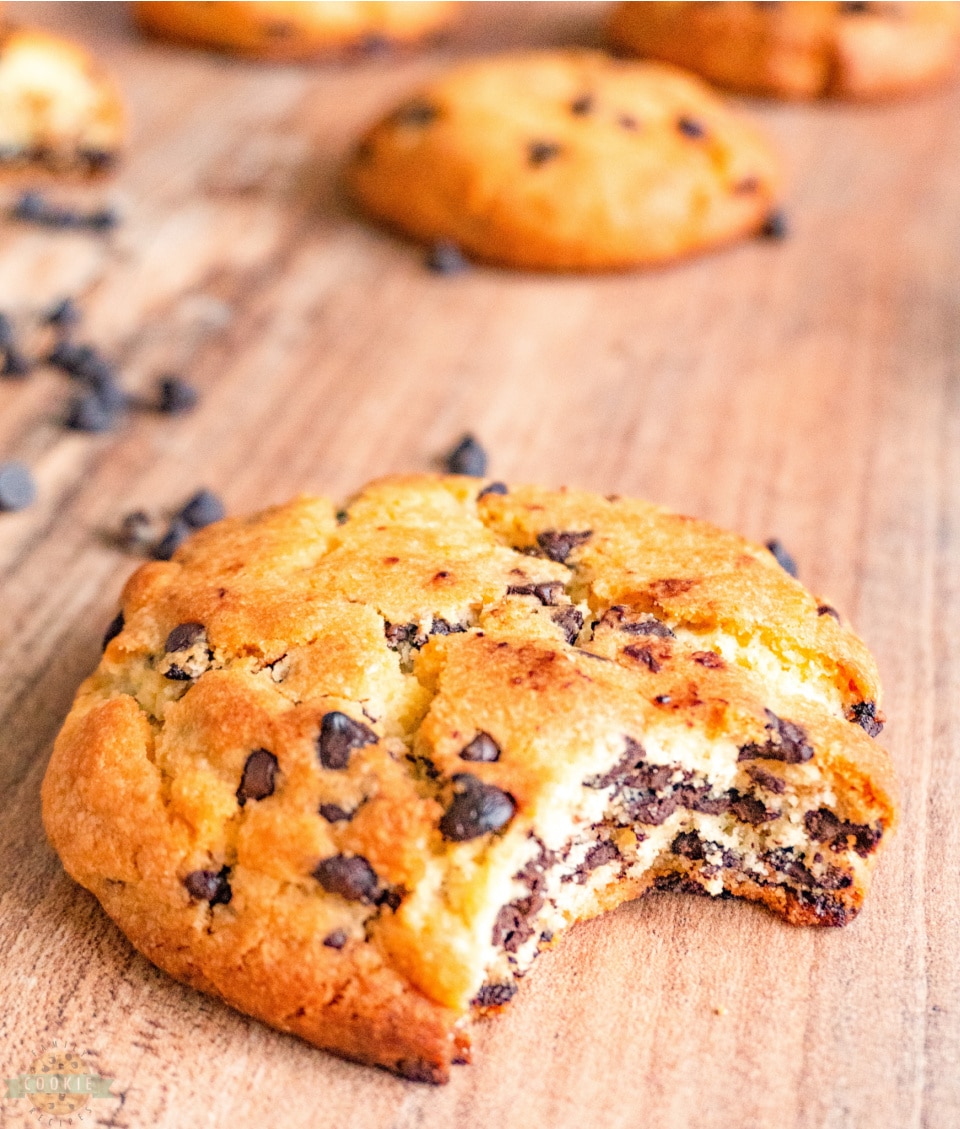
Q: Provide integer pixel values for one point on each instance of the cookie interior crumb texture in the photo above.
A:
(352, 771)
(567, 160)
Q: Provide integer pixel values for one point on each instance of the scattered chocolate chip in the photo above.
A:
(864, 714)
(415, 113)
(825, 609)
(183, 637)
(688, 845)
(775, 226)
(643, 655)
(582, 105)
(335, 940)
(600, 854)
(175, 396)
(632, 758)
(30, 206)
(211, 886)
(475, 810)
(547, 592)
(17, 488)
(709, 659)
(259, 777)
(203, 509)
(482, 748)
(468, 457)
(748, 809)
(539, 152)
(136, 530)
(440, 626)
(342, 517)
(825, 827)
(64, 315)
(445, 257)
(88, 412)
(493, 488)
(15, 364)
(177, 674)
(390, 898)
(116, 626)
(333, 813)
(690, 127)
(628, 121)
(495, 995)
(782, 557)
(6, 332)
(570, 622)
(350, 876)
(787, 742)
(33, 207)
(765, 779)
(400, 634)
(339, 736)
(558, 546)
(177, 532)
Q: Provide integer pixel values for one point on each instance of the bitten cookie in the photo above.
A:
(59, 109)
(567, 160)
(351, 771)
(798, 50)
(278, 31)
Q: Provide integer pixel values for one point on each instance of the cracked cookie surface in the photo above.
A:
(352, 772)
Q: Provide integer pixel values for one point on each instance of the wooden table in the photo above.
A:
(806, 389)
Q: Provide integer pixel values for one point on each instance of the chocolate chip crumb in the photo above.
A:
(709, 659)
(445, 257)
(786, 741)
(864, 714)
(211, 886)
(116, 626)
(175, 396)
(826, 609)
(775, 226)
(339, 736)
(259, 777)
(15, 364)
(582, 105)
(203, 509)
(89, 413)
(570, 622)
(482, 748)
(468, 457)
(690, 127)
(547, 592)
(495, 995)
(559, 545)
(335, 940)
(17, 488)
(759, 775)
(782, 557)
(539, 152)
(64, 315)
(643, 655)
(333, 813)
(493, 488)
(177, 532)
(475, 810)
(350, 876)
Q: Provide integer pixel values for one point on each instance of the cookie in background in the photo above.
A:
(291, 31)
(798, 50)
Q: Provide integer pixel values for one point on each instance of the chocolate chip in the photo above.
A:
(390, 898)
(445, 257)
(439, 626)
(89, 413)
(415, 113)
(765, 779)
(335, 940)
(539, 152)
(748, 809)
(333, 813)
(825, 609)
(177, 674)
(482, 748)
(787, 742)
(259, 777)
(339, 736)
(775, 226)
(495, 995)
(825, 827)
(628, 121)
(183, 636)
(475, 810)
(570, 622)
(15, 364)
(175, 396)
(64, 315)
(350, 876)
(864, 714)
(630, 761)
(6, 332)
(116, 626)
(343, 517)
(136, 530)
(177, 532)
(493, 488)
(468, 457)
(398, 634)
(511, 929)
(582, 105)
(690, 127)
(30, 206)
(559, 545)
(855, 7)
(17, 488)
(688, 845)
(643, 655)
(709, 659)
(211, 886)
(782, 557)
(203, 509)
(98, 160)
(547, 592)
(600, 854)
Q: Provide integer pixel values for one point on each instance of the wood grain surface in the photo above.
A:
(806, 389)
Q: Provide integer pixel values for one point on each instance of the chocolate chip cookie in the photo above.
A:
(798, 50)
(567, 160)
(352, 770)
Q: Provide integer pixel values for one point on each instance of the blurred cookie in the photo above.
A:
(301, 30)
(567, 160)
(353, 770)
(798, 50)
(59, 109)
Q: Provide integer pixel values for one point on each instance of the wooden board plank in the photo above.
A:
(807, 389)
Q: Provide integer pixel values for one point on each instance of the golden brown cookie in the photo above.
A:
(59, 109)
(798, 50)
(352, 771)
(567, 160)
(301, 30)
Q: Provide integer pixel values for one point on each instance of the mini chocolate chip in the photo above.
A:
(559, 545)
(782, 557)
(690, 127)
(539, 152)
(89, 413)
(415, 113)
(570, 621)
(582, 105)
(547, 592)
(183, 636)
(259, 777)
(495, 995)
(339, 736)
(175, 396)
(64, 315)
(350, 876)
(335, 940)
(475, 810)
(211, 886)
(333, 813)
(116, 626)
(643, 655)
(468, 457)
(177, 674)
(481, 748)
(203, 509)
(445, 257)
(825, 609)
(864, 714)
(15, 364)
(493, 488)
(17, 488)
(775, 226)
(787, 742)
(342, 517)
(390, 898)
(177, 532)
(709, 659)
